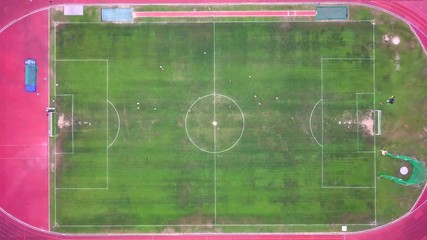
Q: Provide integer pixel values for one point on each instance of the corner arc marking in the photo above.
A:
(311, 129)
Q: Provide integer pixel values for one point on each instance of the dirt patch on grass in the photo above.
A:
(64, 130)
(367, 123)
(62, 122)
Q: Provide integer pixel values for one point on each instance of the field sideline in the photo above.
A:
(258, 108)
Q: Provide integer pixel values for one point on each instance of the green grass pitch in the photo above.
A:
(187, 125)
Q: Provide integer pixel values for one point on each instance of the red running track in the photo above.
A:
(292, 13)
(23, 126)
(23, 123)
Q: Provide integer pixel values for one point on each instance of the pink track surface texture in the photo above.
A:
(295, 13)
(23, 122)
(24, 167)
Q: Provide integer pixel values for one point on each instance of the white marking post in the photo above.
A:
(214, 122)
(378, 113)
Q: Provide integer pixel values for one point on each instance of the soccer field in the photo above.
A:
(229, 124)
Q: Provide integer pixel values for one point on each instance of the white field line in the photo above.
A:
(241, 133)
(375, 138)
(218, 225)
(212, 20)
(214, 95)
(214, 90)
(118, 119)
(108, 101)
(321, 97)
(311, 129)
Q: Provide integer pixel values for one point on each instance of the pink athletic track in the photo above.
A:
(24, 169)
(292, 13)
(23, 122)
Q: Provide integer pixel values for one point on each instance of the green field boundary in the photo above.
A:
(190, 225)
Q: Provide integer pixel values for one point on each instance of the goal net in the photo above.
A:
(419, 173)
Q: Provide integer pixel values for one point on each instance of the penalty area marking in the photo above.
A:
(311, 129)
(106, 61)
(118, 128)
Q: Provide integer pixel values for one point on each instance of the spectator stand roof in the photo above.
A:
(117, 15)
(332, 13)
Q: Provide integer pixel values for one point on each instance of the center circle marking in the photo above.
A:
(214, 123)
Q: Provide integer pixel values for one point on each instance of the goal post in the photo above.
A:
(51, 124)
(378, 122)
